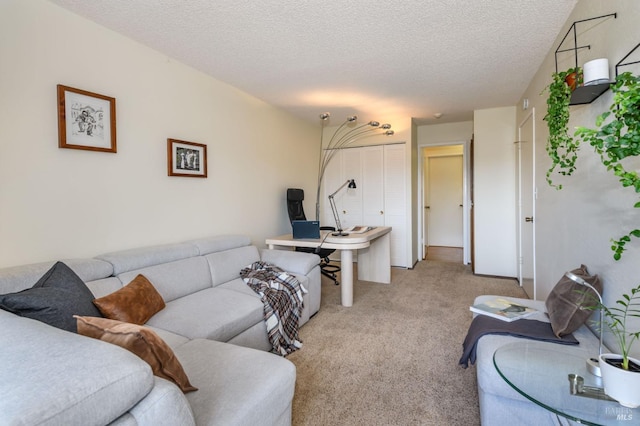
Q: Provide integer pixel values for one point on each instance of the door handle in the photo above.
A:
(528, 219)
(427, 207)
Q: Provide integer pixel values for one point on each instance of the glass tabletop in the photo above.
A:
(540, 372)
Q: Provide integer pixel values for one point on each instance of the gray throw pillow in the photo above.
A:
(569, 303)
(54, 299)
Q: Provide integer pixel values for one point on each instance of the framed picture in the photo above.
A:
(186, 158)
(86, 120)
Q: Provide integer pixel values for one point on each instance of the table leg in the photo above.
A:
(346, 274)
(374, 262)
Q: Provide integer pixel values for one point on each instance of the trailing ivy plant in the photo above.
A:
(561, 147)
(617, 139)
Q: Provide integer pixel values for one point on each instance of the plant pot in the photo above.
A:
(572, 80)
(621, 385)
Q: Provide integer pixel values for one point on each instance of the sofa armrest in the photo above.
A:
(291, 261)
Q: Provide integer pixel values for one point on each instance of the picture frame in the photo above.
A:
(86, 120)
(187, 159)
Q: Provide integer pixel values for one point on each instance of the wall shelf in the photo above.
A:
(624, 64)
(586, 94)
(583, 94)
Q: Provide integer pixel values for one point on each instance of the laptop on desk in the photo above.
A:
(307, 229)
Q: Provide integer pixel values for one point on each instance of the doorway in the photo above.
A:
(525, 148)
(444, 217)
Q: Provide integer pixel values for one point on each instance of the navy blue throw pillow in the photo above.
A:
(54, 299)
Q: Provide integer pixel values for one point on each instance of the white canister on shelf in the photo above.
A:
(596, 72)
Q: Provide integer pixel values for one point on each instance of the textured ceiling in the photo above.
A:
(379, 59)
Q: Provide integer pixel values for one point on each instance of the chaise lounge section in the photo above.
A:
(500, 404)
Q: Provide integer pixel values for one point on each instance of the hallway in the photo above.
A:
(444, 254)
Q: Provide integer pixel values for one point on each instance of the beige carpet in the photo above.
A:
(392, 358)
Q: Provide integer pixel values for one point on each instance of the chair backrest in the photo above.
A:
(295, 196)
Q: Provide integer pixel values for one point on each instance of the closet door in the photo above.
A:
(373, 186)
(395, 202)
(380, 198)
(349, 200)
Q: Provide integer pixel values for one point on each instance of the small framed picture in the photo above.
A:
(186, 158)
(86, 120)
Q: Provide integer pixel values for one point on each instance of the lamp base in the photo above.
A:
(339, 234)
(593, 367)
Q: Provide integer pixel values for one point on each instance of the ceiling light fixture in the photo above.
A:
(347, 133)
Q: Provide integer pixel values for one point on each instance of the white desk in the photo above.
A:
(374, 255)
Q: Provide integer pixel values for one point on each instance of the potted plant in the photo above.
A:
(616, 138)
(621, 372)
(561, 147)
(574, 78)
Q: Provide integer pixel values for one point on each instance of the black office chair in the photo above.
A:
(295, 196)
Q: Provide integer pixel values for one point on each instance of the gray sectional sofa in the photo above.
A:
(212, 321)
(500, 404)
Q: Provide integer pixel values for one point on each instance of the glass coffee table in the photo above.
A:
(540, 372)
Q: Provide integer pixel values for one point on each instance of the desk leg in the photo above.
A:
(346, 274)
(374, 262)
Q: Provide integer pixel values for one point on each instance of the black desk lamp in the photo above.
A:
(336, 217)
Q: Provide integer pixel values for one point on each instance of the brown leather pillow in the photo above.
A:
(141, 341)
(135, 303)
(569, 302)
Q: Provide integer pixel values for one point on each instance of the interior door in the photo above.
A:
(445, 201)
(526, 205)
(372, 184)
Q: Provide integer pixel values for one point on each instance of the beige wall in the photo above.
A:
(60, 203)
(574, 225)
(435, 134)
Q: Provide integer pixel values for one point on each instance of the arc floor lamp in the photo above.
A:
(346, 134)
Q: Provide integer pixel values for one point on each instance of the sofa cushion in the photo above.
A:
(213, 313)
(54, 299)
(18, 278)
(238, 386)
(569, 302)
(175, 279)
(141, 341)
(138, 258)
(219, 243)
(104, 286)
(226, 265)
(52, 377)
(291, 261)
(134, 303)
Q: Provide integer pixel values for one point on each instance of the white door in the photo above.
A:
(526, 205)
(372, 186)
(380, 198)
(350, 199)
(395, 202)
(445, 201)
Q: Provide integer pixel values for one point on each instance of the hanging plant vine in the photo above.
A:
(619, 139)
(561, 147)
